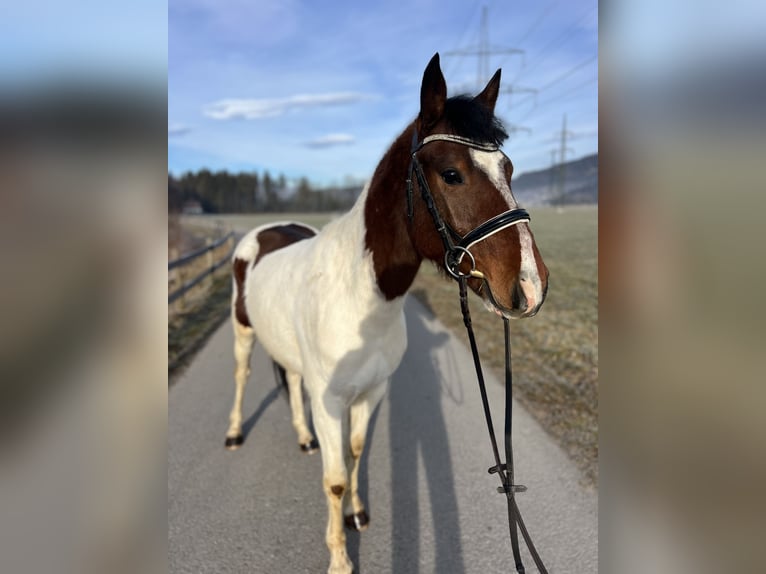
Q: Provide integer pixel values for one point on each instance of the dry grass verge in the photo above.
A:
(555, 354)
(197, 313)
(188, 331)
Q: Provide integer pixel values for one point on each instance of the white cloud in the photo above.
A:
(175, 130)
(331, 140)
(266, 108)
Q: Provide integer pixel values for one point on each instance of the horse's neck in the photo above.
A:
(395, 260)
(372, 238)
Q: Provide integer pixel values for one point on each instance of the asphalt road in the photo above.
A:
(432, 505)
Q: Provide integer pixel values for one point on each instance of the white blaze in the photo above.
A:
(491, 163)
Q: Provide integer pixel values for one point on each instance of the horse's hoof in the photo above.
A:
(310, 447)
(358, 521)
(234, 442)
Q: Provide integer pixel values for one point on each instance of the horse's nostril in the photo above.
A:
(518, 300)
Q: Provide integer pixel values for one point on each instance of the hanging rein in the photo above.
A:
(456, 247)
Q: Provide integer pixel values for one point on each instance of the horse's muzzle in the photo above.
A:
(527, 297)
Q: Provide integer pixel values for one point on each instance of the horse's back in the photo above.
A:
(258, 243)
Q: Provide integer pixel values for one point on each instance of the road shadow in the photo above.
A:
(248, 425)
(280, 390)
(417, 432)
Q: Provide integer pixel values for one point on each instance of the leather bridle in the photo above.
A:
(455, 247)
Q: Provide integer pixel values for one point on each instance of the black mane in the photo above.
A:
(471, 119)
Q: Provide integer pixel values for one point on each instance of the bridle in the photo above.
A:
(455, 248)
(455, 245)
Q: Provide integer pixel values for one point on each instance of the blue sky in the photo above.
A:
(321, 89)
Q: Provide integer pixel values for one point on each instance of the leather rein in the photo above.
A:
(455, 248)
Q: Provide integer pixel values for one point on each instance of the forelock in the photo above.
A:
(471, 119)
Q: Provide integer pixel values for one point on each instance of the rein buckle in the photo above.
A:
(515, 488)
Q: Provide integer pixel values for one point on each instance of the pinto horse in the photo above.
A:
(328, 306)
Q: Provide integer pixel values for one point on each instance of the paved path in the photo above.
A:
(433, 507)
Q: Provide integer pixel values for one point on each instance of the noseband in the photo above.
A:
(455, 245)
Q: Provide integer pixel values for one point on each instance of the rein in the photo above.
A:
(457, 246)
(504, 470)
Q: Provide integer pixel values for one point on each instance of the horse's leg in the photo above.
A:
(306, 440)
(355, 515)
(243, 347)
(328, 422)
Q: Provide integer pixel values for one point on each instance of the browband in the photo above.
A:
(454, 139)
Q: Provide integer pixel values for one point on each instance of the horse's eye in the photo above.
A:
(451, 177)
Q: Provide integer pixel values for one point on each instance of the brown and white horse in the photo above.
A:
(328, 306)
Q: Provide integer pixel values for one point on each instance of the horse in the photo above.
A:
(328, 307)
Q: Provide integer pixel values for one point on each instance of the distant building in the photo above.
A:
(192, 207)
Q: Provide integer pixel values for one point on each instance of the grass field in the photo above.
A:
(241, 223)
(555, 354)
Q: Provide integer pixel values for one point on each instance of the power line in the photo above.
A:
(533, 27)
(563, 76)
(555, 43)
(570, 92)
(539, 21)
(483, 51)
(562, 171)
(450, 66)
(559, 97)
(569, 72)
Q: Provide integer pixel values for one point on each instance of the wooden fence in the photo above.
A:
(190, 270)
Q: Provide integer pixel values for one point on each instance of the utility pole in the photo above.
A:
(562, 171)
(552, 172)
(483, 51)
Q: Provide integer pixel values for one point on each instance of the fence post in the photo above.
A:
(173, 282)
(173, 273)
(210, 257)
(181, 282)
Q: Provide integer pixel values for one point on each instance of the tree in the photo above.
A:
(270, 192)
(304, 197)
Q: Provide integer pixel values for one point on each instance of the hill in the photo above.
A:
(541, 187)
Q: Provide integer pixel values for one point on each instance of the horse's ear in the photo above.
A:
(433, 94)
(488, 95)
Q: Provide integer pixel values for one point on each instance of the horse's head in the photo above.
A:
(457, 161)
